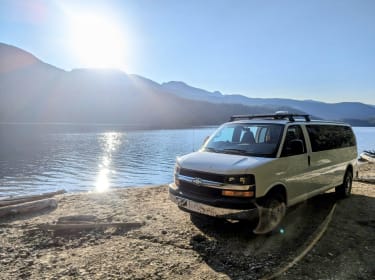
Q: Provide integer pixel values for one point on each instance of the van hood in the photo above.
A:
(220, 163)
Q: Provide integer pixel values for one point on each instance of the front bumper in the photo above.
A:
(189, 205)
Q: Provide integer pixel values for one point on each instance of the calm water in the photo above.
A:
(35, 159)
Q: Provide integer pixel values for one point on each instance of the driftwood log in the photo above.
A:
(28, 207)
(77, 219)
(23, 199)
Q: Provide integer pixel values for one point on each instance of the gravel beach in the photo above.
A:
(139, 234)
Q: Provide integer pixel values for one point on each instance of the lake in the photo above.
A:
(42, 158)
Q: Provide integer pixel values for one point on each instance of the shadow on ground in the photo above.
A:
(347, 249)
(231, 247)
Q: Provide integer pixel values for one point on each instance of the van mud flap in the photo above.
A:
(270, 218)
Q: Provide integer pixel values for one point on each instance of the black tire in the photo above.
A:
(345, 189)
(271, 212)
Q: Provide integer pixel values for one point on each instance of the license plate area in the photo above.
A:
(194, 206)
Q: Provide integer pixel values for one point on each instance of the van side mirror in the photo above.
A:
(296, 147)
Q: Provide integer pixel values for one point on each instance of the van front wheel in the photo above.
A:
(271, 213)
(345, 189)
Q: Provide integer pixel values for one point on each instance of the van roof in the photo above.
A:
(277, 116)
(281, 119)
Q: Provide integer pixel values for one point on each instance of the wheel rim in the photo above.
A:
(276, 212)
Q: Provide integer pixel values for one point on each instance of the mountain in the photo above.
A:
(346, 111)
(185, 91)
(33, 91)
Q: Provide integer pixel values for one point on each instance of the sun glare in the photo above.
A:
(97, 42)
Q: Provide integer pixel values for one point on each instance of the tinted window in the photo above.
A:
(328, 137)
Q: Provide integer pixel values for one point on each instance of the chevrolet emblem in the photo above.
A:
(197, 181)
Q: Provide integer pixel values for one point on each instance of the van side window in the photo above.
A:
(294, 143)
(262, 134)
(328, 137)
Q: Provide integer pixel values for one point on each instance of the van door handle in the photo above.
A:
(309, 160)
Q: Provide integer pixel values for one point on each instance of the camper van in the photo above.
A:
(255, 166)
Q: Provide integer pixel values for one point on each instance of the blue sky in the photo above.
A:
(322, 50)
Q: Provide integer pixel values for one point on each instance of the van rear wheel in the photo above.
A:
(345, 189)
(271, 212)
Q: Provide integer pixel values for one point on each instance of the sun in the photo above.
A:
(97, 41)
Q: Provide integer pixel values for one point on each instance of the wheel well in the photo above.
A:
(278, 189)
(349, 168)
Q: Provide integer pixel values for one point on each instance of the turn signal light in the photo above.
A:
(238, 193)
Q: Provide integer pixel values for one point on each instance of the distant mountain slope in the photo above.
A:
(12, 58)
(185, 91)
(33, 91)
(333, 111)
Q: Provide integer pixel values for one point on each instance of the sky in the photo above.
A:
(321, 50)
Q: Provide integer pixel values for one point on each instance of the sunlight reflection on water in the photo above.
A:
(110, 141)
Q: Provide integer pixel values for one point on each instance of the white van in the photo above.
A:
(257, 165)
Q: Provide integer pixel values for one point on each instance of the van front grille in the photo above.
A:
(203, 175)
(192, 189)
(219, 178)
(211, 196)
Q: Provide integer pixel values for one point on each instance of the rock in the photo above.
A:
(6, 261)
(29, 262)
(10, 249)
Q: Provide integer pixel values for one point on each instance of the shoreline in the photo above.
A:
(147, 236)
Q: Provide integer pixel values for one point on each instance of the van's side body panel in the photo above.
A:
(290, 172)
(325, 169)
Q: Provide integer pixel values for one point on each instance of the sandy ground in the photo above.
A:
(168, 244)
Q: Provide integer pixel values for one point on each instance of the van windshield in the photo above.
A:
(261, 140)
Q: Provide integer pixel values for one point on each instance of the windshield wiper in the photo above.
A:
(212, 150)
(236, 151)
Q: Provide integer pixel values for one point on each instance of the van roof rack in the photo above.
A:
(290, 117)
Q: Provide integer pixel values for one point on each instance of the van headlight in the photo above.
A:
(240, 180)
(247, 181)
(177, 169)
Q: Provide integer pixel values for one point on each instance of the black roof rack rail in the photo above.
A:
(290, 117)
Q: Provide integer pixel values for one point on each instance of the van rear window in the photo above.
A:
(328, 137)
